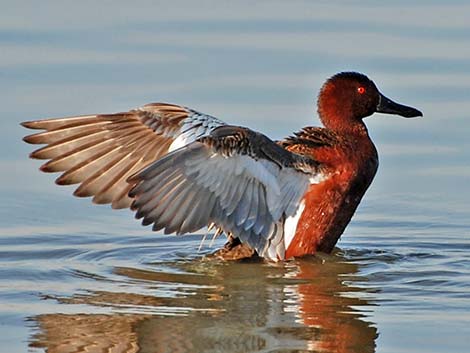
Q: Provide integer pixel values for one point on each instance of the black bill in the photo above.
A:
(388, 106)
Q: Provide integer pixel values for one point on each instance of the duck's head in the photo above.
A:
(348, 97)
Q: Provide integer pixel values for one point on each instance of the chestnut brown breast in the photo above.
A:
(352, 162)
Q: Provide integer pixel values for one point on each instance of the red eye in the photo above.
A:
(361, 90)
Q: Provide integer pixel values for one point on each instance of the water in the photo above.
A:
(76, 277)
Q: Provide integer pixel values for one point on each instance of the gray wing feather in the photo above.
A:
(254, 208)
(263, 218)
(219, 179)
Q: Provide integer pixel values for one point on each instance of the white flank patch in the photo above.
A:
(317, 178)
(290, 225)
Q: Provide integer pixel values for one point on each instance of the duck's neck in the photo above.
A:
(345, 126)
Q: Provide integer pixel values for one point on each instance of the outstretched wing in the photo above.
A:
(234, 177)
(100, 152)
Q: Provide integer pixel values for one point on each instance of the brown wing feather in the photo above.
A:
(100, 152)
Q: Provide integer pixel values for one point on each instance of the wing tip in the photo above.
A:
(147, 221)
(30, 124)
(32, 155)
(132, 193)
(31, 139)
(45, 168)
(63, 180)
(81, 191)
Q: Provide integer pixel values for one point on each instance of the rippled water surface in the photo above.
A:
(81, 278)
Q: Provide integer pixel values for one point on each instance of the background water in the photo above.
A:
(77, 277)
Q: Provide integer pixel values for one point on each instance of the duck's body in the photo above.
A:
(181, 170)
(352, 162)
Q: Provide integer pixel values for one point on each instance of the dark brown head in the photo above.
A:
(348, 97)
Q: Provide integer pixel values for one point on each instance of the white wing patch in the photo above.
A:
(290, 224)
(179, 142)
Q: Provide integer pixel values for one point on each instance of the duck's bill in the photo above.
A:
(388, 106)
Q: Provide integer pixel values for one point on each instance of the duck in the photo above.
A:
(182, 171)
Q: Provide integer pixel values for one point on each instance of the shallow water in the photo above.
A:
(76, 277)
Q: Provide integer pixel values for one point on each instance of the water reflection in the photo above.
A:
(208, 306)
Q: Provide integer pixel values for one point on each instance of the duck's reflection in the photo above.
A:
(219, 307)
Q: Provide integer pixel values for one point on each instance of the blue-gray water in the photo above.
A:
(75, 276)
